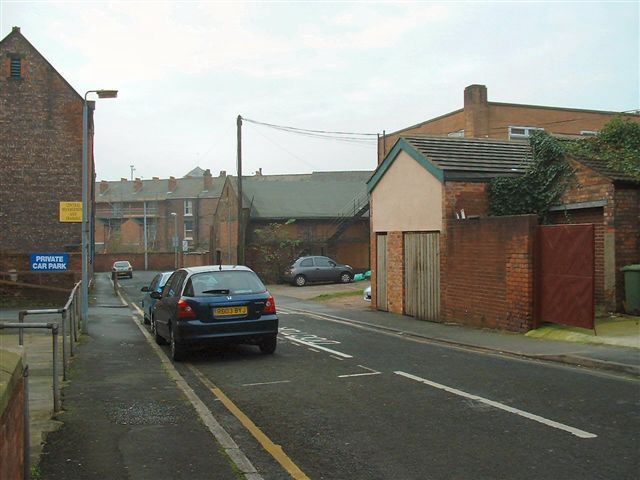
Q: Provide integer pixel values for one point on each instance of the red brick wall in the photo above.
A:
(487, 272)
(40, 154)
(468, 196)
(395, 272)
(481, 118)
(627, 225)
(224, 235)
(12, 430)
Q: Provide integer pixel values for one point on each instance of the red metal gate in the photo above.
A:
(565, 273)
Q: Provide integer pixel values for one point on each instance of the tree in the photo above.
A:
(273, 249)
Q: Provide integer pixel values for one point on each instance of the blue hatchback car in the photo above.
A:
(214, 304)
(148, 302)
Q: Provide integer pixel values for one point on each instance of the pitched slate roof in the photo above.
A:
(315, 195)
(459, 159)
(196, 172)
(157, 190)
(469, 158)
(602, 168)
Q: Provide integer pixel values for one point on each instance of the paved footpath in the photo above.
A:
(124, 417)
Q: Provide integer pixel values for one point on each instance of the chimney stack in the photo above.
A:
(259, 172)
(137, 185)
(172, 184)
(208, 180)
(476, 112)
(223, 173)
(104, 186)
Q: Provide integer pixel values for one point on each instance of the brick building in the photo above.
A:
(480, 118)
(40, 156)
(326, 212)
(123, 207)
(437, 257)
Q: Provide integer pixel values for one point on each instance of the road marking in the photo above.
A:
(313, 345)
(545, 421)
(275, 450)
(337, 358)
(230, 447)
(313, 350)
(370, 372)
(265, 383)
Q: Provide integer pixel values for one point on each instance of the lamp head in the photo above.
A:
(107, 93)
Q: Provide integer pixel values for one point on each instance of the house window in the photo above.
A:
(188, 229)
(521, 133)
(188, 207)
(459, 133)
(588, 133)
(16, 67)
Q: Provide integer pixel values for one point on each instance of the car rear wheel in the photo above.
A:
(177, 350)
(345, 277)
(268, 344)
(300, 280)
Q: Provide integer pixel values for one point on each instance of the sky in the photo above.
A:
(185, 70)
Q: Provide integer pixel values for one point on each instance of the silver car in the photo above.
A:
(121, 268)
(317, 269)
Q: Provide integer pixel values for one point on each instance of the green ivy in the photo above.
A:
(540, 188)
(617, 144)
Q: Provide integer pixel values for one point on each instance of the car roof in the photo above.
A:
(217, 268)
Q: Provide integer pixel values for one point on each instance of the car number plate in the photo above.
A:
(228, 311)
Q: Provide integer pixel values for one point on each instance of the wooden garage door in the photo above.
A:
(422, 275)
(381, 272)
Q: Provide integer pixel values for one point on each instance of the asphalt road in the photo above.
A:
(349, 403)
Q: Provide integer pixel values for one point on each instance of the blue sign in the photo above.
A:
(49, 262)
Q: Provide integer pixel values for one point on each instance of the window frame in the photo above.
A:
(188, 208)
(522, 136)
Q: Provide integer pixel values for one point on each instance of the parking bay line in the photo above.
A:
(536, 418)
(319, 347)
(274, 450)
(370, 372)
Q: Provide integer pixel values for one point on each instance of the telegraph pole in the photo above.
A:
(240, 260)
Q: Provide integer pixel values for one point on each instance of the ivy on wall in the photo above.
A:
(617, 144)
(540, 188)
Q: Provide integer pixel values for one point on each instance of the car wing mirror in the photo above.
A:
(144, 289)
(156, 295)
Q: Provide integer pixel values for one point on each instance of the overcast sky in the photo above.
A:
(185, 70)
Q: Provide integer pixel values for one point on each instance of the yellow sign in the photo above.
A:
(71, 212)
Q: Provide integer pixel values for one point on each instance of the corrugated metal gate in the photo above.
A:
(565, 274)
(381, 272)
(422, 275)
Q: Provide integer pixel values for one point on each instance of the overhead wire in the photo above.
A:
(348, 137)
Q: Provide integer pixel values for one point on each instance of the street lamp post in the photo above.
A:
(84, 286)
(175, 237)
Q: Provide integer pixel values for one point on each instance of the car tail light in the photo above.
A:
(269, 305)
(184, 310)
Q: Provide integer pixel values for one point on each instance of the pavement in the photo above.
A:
(123, 416)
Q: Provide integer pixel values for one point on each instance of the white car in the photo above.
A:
(121, 268)
(367, 293)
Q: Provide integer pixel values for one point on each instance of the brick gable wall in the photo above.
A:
(40, 154)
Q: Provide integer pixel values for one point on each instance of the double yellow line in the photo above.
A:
(274, 450)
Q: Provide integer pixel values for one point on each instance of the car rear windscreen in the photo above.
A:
(223, 283)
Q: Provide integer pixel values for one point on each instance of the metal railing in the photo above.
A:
(70, 311)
